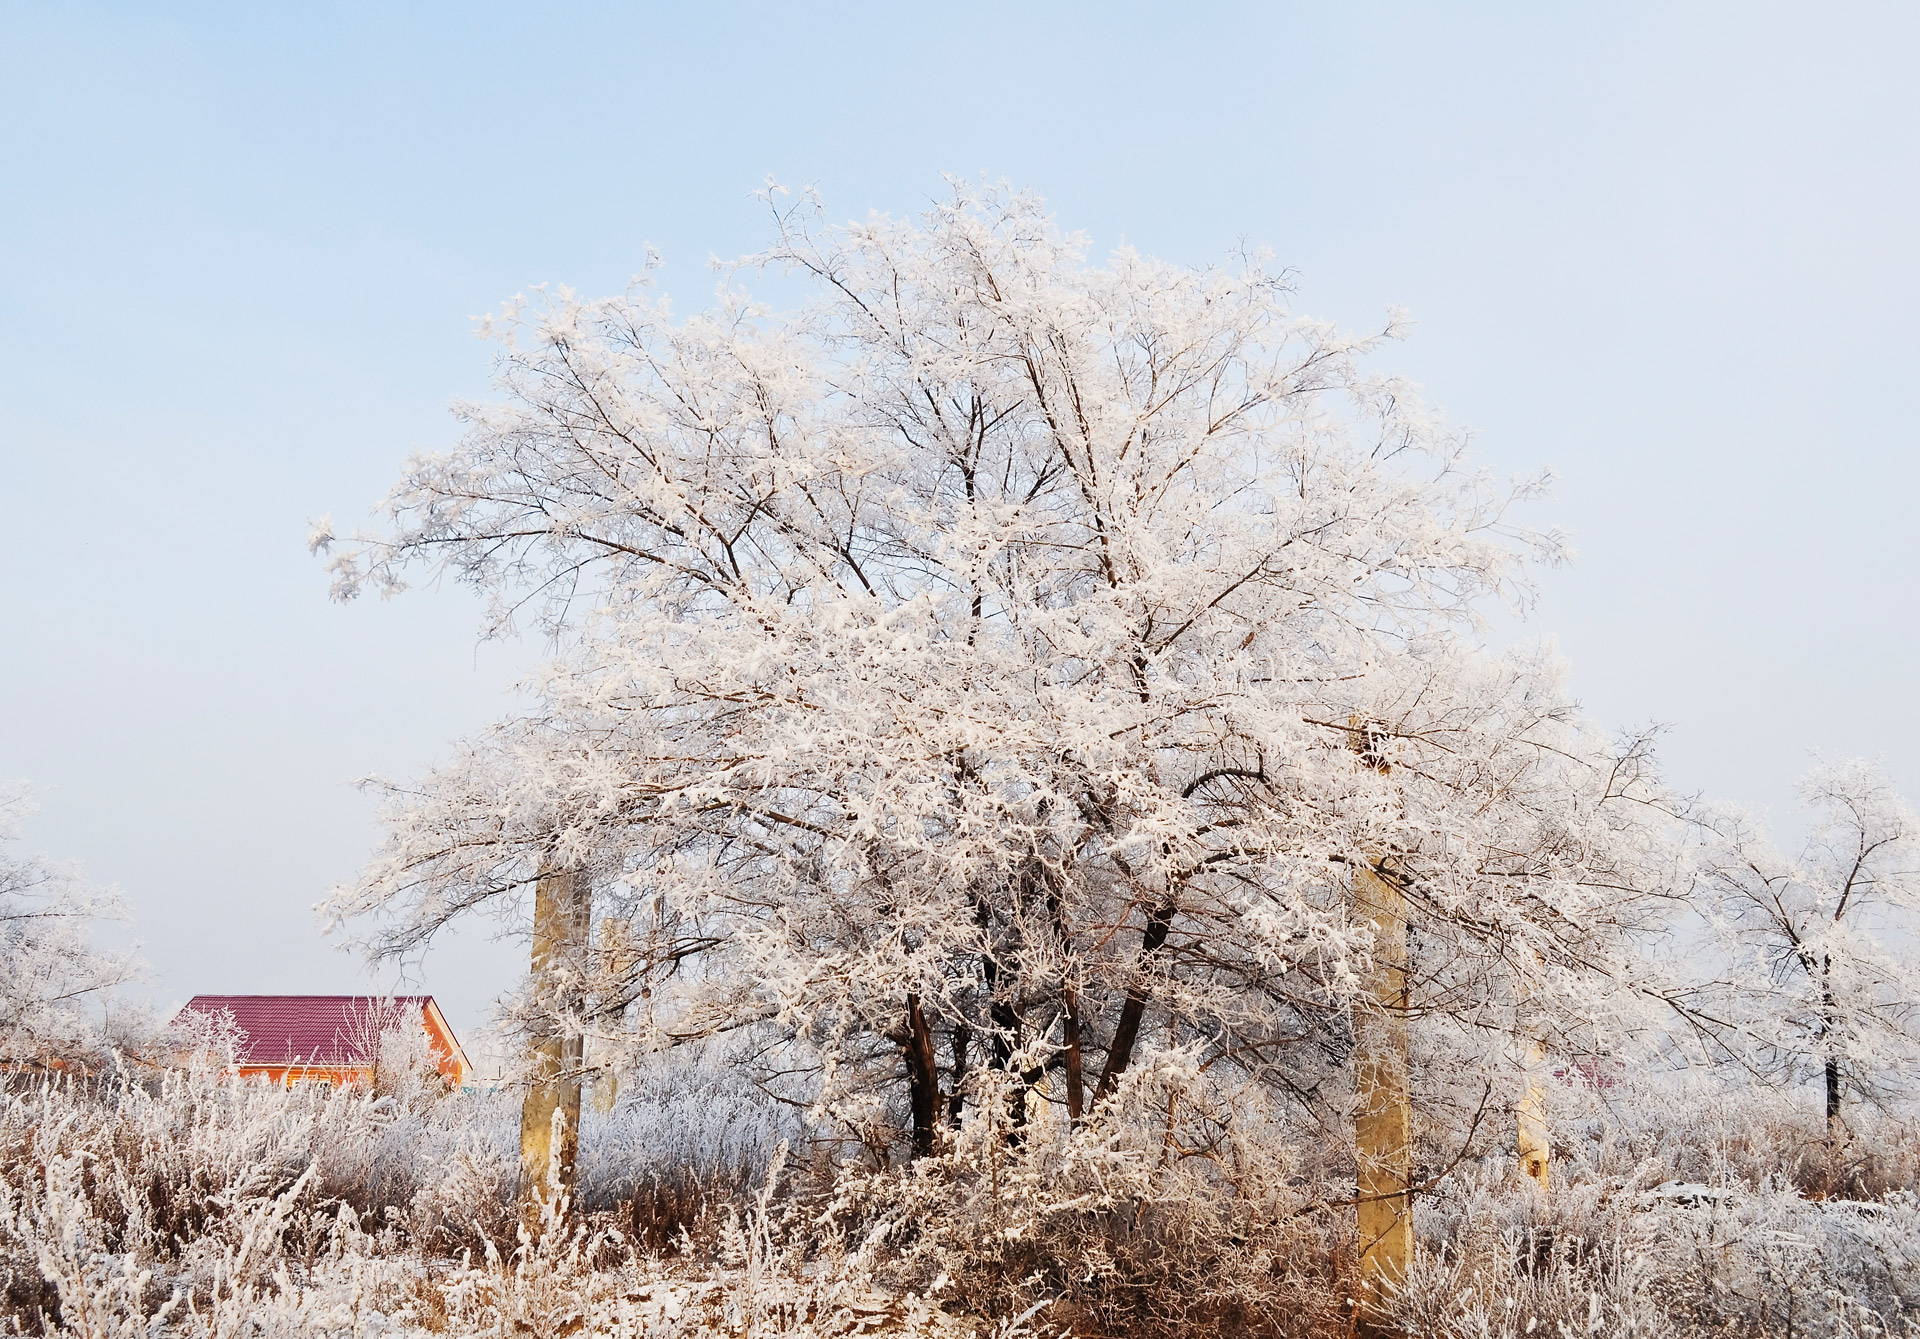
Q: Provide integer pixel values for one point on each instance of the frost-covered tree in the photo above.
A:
(959, 681)
(54, 982)
(1826, 947)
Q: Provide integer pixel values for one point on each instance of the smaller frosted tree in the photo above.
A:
(53, 981)
(1826, 980)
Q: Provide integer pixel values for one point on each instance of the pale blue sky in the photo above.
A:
(1669, 250)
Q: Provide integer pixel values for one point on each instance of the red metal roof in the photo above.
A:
(312, 1029)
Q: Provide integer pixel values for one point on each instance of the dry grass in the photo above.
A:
(188, 1205)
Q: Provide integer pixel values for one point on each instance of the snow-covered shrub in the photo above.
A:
(186, 1203)
(1179, 1207)
(267, 1253)
(686, 1133)
(1689, 1259)
(1678, 1215)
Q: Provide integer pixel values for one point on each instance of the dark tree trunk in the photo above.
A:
(1828, 1019)
(1076, 1092)
(1070, 1011)
(1127, 1032)
(1004, 1042)
(957, 1097)
(1001, 1018)
(1006, 1034)
(923, 1078)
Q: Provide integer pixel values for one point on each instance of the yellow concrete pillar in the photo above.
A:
(1532, 1141)
(1383, 1099)
(550, 1112)
(1531, 1138)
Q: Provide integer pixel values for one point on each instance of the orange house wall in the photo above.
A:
(448, 1058)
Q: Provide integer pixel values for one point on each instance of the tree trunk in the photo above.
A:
(550, 1112)
(1069, 1009)
(1828, 1017)
(1076, 1091)
(1007, 1027)
(957, 1097)
(1126, 1032)
(923, 1078)
(1383, 1112)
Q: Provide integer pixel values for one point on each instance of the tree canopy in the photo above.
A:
(972, 676)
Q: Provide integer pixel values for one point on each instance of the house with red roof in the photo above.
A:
(326, 1038)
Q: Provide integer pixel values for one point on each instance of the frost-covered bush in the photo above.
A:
(1607, 1259)
(1684, 1208)
(679, 1137)
(1178, 1207)
(185, 1203)
(164, 1163)
(181, 1202)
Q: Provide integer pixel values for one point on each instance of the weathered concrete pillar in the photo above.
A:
(1383, 1099)
(550, 1112)
(1532, 1142)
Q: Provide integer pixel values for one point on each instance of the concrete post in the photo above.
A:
(550, 1112)
(1383, 1105)
(1532, 1141)
(1532, 1144)
(1383, 1100)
